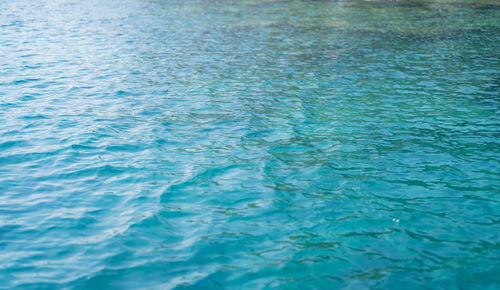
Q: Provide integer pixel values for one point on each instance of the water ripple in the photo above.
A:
(249, 144)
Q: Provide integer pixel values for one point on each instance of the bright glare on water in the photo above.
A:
(250, 144)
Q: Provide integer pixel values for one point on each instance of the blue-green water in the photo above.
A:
(249, 144)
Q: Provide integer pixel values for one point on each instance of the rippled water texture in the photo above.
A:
(252, 144)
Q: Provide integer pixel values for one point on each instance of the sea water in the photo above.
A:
(249, 144)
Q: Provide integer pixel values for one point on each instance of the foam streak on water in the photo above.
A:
(253, 144)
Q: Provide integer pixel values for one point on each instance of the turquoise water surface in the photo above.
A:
(249, 144)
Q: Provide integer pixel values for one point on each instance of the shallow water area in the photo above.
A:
(249, 144)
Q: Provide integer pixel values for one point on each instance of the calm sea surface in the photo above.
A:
(249, 144)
